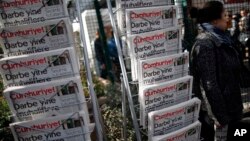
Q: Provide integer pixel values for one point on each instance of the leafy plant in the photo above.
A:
(111, 110)
(99, 87)
(5, 133)
(113, 117)
(113, 123)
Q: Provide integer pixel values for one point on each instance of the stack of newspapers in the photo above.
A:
(40, 72)
(153, 40)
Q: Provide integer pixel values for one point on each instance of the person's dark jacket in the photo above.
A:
(216, 69)
(99, 51)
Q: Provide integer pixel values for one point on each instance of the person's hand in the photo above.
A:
(103, 66)
(218, 125)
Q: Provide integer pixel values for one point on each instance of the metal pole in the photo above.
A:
(99, 126)
(124, 111)
(124, 72)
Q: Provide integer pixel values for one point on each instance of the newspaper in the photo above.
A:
(170, 119)
(162, 69)
(46, 99)
(164, 95)
(152, 45)
(24, 12)
(68, 127)
(189, 133)
(39, 67)
(34, 38)
(122, 5)
(141, 20)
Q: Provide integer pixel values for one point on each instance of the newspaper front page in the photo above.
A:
(154, 44)
(39, 67)
(122, 5)
(164, 95)
(24, 12)
(162, 69)
(35, 38)
(68, 127)
(189, 133)
(142, 20)
(170, 119)
(46, 99)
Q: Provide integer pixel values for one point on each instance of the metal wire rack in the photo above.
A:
(130, 88)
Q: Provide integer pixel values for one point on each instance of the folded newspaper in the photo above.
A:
(39, 67)
(141, 20)
(164, 95)
(24, 12)
(189, 133)
(154, 44)
(68, 127)
(162, 69)
(34, 38)
(170, 119)
(46, 99)
(122, 5)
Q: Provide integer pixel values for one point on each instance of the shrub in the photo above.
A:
(112, 115)
(5, 133)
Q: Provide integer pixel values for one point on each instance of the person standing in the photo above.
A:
(245, 32)
(100, 56)
(235, 29)
(216, 68)
(244, 27)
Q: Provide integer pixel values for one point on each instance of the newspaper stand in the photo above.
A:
(126, 83)
(38, 8)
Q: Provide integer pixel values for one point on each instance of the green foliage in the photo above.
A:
(112, 115)
(113, 123)
(111, 111)
(99, 87)
(113, 95)
(1, 87)
(4, 113)
(5, 133)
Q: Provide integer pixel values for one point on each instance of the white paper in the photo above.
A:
(189, 133)
(68, 127)
(47, 99)
(162, 69)
(126, 4)
(170, 119)
(141, 20)
(164, 95)
(154, 44)
(24, 12)
(35, 38)
(39, 67)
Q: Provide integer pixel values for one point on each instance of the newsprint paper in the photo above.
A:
(164, 95)
(47, 99)
(39, 67)
(141, 20)
(35, 38)
(162, 69)
(154, 44)
(189, 133)
(24, 12)
(170, 119)
(68, 127)
(122, 5)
